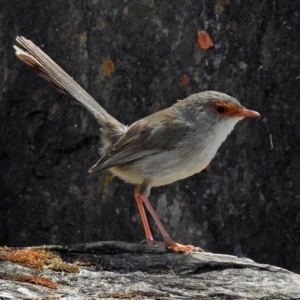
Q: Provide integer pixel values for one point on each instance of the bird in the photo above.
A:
(162, 148)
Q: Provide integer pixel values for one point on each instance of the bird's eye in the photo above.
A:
(221, 109)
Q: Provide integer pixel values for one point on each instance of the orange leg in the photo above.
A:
(139, 202)
(167, 239)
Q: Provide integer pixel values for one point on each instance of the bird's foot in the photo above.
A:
(175, 247)
(172, 246)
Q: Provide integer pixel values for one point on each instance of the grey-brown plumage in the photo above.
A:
(162, 148)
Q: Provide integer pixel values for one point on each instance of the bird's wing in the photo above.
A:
(143, 138)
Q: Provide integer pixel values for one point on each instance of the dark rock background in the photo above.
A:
(247, 205)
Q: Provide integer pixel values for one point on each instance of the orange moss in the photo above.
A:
(61, 266)
(32, 258)
(36, 258)
(38, 280)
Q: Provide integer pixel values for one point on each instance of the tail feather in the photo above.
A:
(48, 69)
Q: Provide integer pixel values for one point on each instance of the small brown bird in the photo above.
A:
(162, 148)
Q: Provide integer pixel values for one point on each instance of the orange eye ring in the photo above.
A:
(225, 109)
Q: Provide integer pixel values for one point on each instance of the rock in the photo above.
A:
(131, 56)
(110, 270)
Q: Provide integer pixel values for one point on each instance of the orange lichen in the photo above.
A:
(204, 40)
(108, 67)
(36, 258)
(38, 280)
(60, 266)
(32, 258)
(184, 79)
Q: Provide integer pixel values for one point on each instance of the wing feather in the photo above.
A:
(144, 138)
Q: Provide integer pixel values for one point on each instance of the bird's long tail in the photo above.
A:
(48, 69)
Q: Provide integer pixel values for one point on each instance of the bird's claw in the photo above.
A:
(175, 247)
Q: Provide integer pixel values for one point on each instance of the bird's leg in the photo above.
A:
(170, 244)
(139, 201)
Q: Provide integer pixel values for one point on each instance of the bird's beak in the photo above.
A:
(247, 113)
